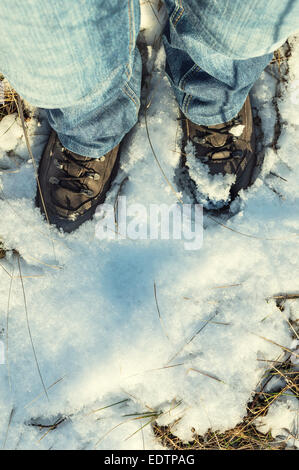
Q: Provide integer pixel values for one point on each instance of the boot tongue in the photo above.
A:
(216, 139)
(77, 157)
(221, 154)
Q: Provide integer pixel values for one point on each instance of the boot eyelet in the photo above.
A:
(53, 180)
(93, 176)
(204, 158)
(103, 158)
(86, 192)
(238, 154)
(57, 164)
(199, 140)
(73, 216)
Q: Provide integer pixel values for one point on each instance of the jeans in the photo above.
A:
(79, 60)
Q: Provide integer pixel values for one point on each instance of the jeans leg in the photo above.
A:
(217, 50)
(79, 61)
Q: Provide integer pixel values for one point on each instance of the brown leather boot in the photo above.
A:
(72, 186)
(227, 148)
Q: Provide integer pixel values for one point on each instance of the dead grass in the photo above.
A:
(9, 106)
(234, 439)
(246, 435)
(2, 251)
(280, 57)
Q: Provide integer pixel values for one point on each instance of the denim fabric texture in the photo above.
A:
(79, 60)
(217, 49)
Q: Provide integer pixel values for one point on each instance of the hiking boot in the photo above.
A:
(72, 186)
(227, 149)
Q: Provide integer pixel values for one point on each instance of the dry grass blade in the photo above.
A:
(159, 313)
(9, 172)
(30, 276)
(8, 426)
(276, 344)
(41, 394)
(277, 176)
(193, 337)
(261, 411)
(148, 2)
(123, 182)
(53, 266)
(137, 416)
(141, 428)
(110, 430)
(156, 158)
(244, 436)
(153, 416)
(4, 269)
(156, 369)
(284, 297)
(2, 251)
(18, 214)
(108, 406)
(9, 105)
(9, 127)
(289, 323)
(249, 235)
(52, 427)
(29, 331)
(7, 328)
(21, 114)
(142, 436)
(227, 286)
(206, 374)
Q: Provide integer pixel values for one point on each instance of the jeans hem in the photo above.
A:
(215, 119)
(87, 151)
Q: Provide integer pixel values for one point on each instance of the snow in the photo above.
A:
(282, 419)
(213, 191)
(237, 130)
(103, 352)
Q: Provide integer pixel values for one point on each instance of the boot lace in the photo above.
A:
(76, 184)
(205, 135)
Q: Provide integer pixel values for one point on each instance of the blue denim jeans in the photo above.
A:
(79, 60)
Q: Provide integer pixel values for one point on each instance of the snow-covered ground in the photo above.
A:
(109, 317)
